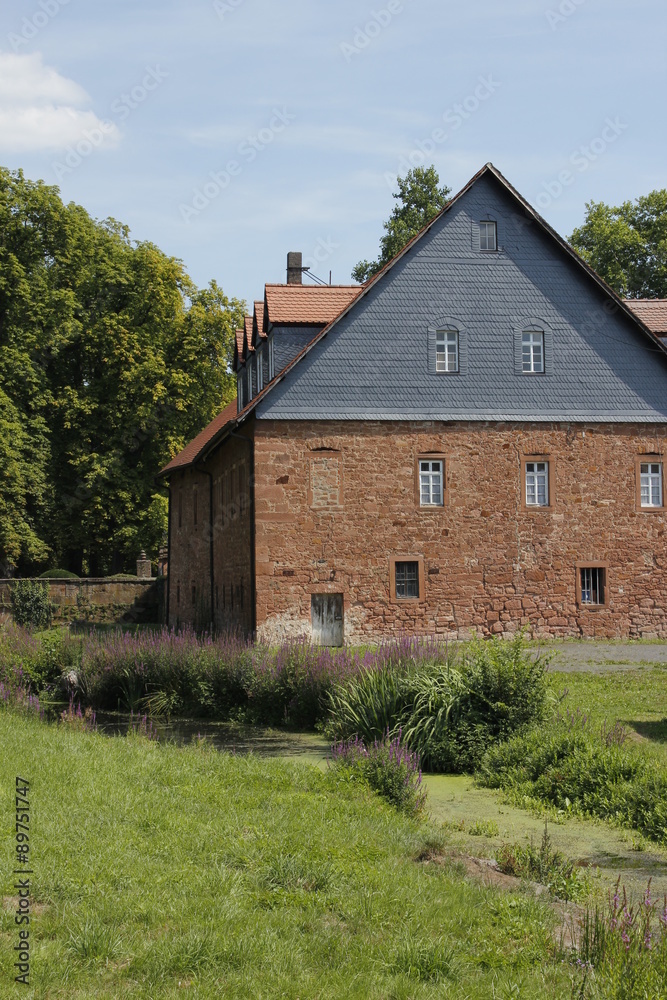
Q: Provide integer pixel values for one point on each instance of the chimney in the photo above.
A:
(294, 268)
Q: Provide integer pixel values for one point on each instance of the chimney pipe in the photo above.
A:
(294, 268)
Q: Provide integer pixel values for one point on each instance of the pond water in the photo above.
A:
(453, 801)
(228, 736)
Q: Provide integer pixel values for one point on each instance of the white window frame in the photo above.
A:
(488, 235)
(537, 484)
(431, 482)
(446, 351)
(530, 340)
(249, 379)
(272, 360)
(650, 484)
(259, 361)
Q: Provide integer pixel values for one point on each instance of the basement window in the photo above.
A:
(592, 586)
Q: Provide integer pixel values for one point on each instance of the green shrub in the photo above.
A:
(58, 574)
(448, 713)
(31, 607)
(569, 765)
(387, 767)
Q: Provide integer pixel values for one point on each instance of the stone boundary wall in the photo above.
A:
(96, 600)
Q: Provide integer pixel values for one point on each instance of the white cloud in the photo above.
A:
(42, 110)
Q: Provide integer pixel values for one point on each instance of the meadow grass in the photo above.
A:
(638, 698)
(163, 871)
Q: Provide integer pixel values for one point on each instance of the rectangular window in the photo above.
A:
(180, 508)
(260, 369)
(532, 351)
(537, 484)
(272, 360)
(431, 483)
(249, 378)
(407, 580)
(239, 392)
(446, 350)
(488, 236)
(194, 594)
(178, 594)
(592, 582)
(650, 477)
(195, 505)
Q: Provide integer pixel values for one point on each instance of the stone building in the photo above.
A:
(472, 441)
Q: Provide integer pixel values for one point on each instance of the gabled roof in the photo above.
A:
(283, 302)
(311, 305)
(258, 332)
(652, 312)
(191, 452)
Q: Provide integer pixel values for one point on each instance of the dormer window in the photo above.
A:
(272, 360)
(249, 377)
(488, 236)
(239, 392)
(259, 361)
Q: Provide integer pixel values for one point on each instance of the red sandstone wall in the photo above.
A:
(189, 590)
(329, 520)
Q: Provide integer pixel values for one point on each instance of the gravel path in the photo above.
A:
(597, 656)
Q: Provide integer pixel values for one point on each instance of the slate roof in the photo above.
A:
(312, 305)
(652, 312)
(283, 303)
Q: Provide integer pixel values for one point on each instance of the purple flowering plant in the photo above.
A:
(387, 766)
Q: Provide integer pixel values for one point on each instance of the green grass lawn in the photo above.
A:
(637, 697)
(163, 871)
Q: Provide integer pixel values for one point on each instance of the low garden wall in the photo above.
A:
(98, 600)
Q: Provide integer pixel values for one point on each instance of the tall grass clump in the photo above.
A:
(169, 671)
(571, 765)
(623, 948)
(387, 766)
(450, 710)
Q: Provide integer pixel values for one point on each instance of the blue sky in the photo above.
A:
(231, 131)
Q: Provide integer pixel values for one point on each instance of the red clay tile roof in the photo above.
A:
(652, 313)
(313, 305)
(192, 450)
(258, 332)
(247, 326)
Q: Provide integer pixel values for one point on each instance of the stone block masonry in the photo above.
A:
(335, 503)
(96, 600)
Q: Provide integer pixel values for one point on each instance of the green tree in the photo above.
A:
(420, 199)
(627, 244)
(110, 360)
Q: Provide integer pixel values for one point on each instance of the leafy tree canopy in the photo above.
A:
(627, 244)
(110, 361)
(419, 200)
